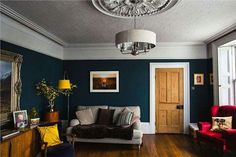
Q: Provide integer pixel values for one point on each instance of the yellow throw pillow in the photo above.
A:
(49, 134)
(221, 123)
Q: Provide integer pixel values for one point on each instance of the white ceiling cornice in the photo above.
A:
(112, 45)
(221, 33)
(23, 20)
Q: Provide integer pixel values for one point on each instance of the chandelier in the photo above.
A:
(134, 41)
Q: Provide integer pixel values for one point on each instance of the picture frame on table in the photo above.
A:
(20, 118)
(104, 81)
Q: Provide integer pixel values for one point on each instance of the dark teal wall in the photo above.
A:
(35, 67)
(134, 82)
(134, 85)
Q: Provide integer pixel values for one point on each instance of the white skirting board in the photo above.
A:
(147, 128)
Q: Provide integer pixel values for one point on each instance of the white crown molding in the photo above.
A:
(16, 33)
(110, 52)
(112, 45)
(221, 33)
(23, 20)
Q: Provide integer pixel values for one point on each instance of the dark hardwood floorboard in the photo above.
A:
(161, 145)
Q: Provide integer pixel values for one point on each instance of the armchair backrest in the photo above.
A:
(225, 111)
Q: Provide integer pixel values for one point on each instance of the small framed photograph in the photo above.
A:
(104, 81)
(20, 118)
(211, 78)
(198, 79)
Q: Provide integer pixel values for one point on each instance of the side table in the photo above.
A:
(193, 128)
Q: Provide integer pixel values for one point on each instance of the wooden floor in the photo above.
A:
(162, 145)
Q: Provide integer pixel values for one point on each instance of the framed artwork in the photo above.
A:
(20, 118)
(198, 79)
(10, 89)
(104, 81)
(211, 78)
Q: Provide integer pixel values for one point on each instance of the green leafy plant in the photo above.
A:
(48, 91)
(33, 113)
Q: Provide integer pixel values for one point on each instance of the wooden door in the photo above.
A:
(169, 100)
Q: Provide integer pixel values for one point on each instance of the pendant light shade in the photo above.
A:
(64, 84)
(135, 41)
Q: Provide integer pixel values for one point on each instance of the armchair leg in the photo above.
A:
(200, 147)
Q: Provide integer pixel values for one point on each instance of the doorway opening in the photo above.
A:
(186, 93)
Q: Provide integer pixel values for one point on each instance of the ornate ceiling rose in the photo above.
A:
(131, 8)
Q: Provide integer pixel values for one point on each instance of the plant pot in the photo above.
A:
(34, 121)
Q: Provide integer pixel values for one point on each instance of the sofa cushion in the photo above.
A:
(221, 123)
(85, 117)
(118, 110)
(94, 110)
(105, 116)
(49, 134)
(212, 136)
(125, 117)
(226, 111)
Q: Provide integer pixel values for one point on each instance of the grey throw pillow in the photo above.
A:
(85, 117)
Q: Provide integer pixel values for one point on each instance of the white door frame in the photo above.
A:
(185, 66)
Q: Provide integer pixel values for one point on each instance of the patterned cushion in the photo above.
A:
(221, 123)
(118, 110)
(125, 117)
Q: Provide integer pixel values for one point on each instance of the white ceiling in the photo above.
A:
(76, 21)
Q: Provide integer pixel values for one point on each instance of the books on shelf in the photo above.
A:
(8, 133)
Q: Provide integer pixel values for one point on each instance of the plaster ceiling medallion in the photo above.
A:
(131, 8)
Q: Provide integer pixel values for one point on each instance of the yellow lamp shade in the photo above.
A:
(64, 84)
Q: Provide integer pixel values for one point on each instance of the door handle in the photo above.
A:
(180, 107)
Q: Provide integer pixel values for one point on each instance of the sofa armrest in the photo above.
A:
(69, 130)
(230, 134)
(137, 125)
(204, 126)
(74, 122)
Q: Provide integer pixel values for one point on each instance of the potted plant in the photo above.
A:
(49, 92)
(34, 116)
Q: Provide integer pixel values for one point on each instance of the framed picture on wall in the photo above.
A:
(10, 89)
(104, 81)
(211, 78)
(198, 79)
(20, 118)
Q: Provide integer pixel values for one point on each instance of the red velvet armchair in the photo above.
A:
(221, 140)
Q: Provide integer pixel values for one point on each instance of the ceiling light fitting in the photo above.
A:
(134, 41)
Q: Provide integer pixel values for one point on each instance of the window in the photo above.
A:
(227, 74)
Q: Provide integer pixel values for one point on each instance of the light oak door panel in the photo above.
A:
(169, 95)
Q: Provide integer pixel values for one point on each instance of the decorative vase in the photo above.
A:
(51, 105)
(34, 121)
